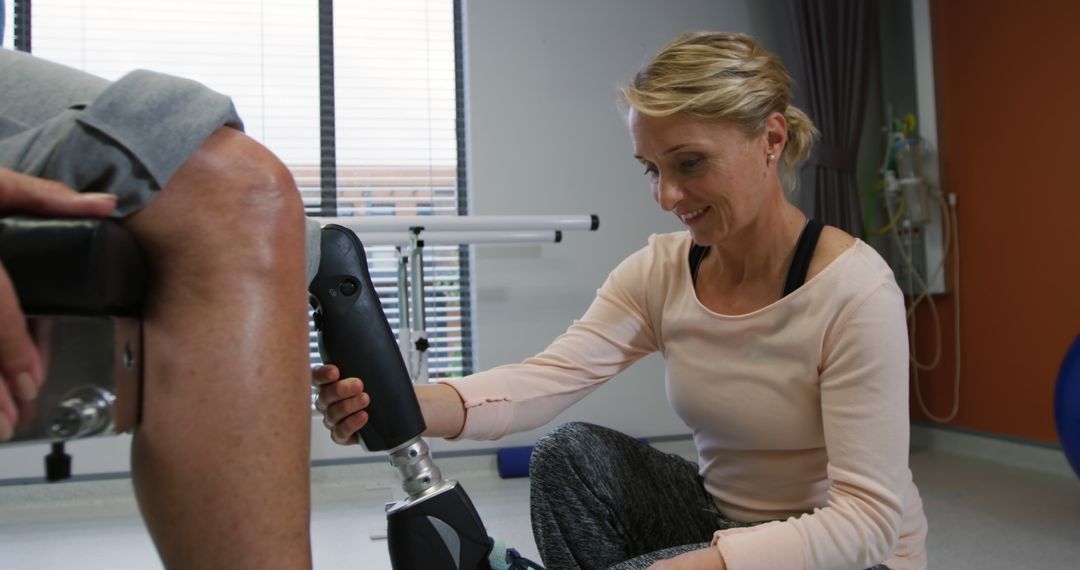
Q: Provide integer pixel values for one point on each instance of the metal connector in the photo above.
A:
(414, 464)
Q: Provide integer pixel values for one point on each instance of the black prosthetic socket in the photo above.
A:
(436, 527)
(355, 337)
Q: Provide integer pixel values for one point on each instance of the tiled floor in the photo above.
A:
(983, 515)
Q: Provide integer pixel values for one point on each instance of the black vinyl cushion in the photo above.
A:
(73, 266)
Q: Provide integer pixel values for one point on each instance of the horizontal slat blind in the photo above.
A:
(395, 105)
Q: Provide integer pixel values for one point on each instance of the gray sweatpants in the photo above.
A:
(601, 499)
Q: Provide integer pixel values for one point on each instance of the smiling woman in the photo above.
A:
(720, 143)
(713, 177)
(727, 79)
(784, 344)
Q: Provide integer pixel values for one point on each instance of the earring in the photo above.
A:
(772, 157)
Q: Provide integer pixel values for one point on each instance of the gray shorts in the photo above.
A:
(126, 137)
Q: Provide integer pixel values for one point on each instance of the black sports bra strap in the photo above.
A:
(697, 253)
(800, 262)
(804, 252)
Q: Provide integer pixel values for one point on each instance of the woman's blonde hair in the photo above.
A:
(723, 76)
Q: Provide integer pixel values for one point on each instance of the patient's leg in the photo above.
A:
(221, 458)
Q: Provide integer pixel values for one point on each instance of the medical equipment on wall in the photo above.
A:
(921, 227)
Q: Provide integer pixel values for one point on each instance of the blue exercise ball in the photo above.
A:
(1067, 405)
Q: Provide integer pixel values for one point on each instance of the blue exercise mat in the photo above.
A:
(513, 461)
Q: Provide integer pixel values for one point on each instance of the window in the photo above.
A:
(362, 99)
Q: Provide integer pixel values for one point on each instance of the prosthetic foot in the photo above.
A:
(436, 527)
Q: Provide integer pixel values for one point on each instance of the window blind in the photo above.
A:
(362, 99)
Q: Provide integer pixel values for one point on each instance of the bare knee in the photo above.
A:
(232, 203)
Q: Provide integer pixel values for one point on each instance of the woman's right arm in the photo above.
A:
(614, 332)
(443, 409)
(344, 406)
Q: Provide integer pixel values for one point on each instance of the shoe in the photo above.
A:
(519, 562)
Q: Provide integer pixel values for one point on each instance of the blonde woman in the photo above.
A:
(784, 343)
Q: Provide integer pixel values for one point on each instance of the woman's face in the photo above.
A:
(713, 177)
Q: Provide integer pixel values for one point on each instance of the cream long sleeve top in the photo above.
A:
(799, 410)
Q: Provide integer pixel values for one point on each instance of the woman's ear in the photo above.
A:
(775, 133)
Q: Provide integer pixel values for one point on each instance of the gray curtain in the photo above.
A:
(831, 49)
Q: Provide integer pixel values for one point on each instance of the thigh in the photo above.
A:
(127, 137)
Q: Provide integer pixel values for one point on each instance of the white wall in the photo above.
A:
(545, 138)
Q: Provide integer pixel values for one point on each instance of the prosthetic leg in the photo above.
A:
(436, 527)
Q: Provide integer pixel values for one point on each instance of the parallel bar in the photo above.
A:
(418, 314)
(371, 224)
(459, 238)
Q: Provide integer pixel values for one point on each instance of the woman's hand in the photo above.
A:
(341, 402)
(704, 559)
(20, 364)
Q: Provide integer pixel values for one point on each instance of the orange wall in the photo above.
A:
(1008, 97)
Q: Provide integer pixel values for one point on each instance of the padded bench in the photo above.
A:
(81, 284)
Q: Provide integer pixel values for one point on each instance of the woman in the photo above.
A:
(784, 342)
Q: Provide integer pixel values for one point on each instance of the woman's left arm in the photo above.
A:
(864, 407)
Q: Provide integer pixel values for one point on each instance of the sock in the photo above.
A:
(503, 558)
